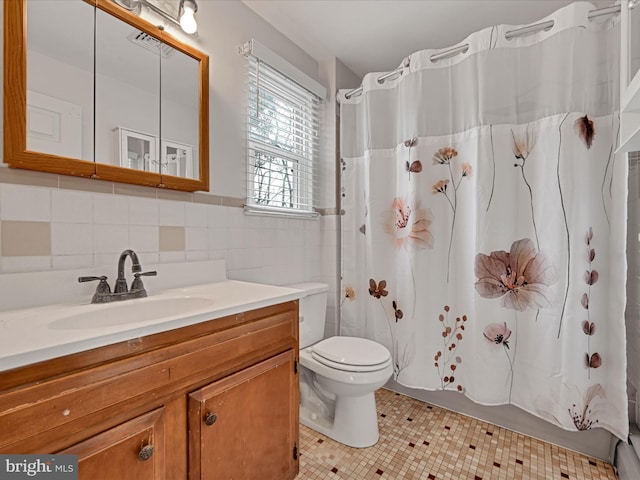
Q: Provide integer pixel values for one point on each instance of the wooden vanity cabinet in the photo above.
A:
(141, 409)
(231, 419)
(135, 449)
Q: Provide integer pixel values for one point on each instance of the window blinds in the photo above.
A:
(283, 142)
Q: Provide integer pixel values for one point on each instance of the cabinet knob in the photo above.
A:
(210, 418)
(145, 453)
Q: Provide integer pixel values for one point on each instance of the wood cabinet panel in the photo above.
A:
(132, 451)
(254, 429)
(225, 327)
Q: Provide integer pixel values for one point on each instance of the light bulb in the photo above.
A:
(187, 20)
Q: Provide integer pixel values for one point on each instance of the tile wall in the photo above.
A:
(46, 227)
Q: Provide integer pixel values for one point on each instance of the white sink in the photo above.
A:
(130, 311)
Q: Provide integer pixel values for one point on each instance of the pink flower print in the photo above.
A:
(585, 128)
(440, 186)
(415, 167)
(378, 290)
(498, 333)
(409, 227)
(521, 277)
(466, 170)
(523, 144)
(583, 416)
(444, 155)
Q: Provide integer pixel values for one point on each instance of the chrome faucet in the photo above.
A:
(103, 292)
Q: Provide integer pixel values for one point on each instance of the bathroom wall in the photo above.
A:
(632, 313)
(51, 222)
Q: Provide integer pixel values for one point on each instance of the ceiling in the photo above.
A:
(375, 35)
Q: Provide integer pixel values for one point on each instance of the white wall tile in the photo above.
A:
(110, 239)
(235, 218)
(71, 262)
(245, 238)
(268, 237)
(24, 203)
(217, 216)
(219, 255)
(254, 222)
(68, 206)
(25, 264)
(172, 257)
(144, 238)
(148, 258)
(196, 238)
(270, 256)
(238, 237)
(143, 211)
(108, 262)
(110, 209)
(244, 258)
(218, 238)
(71, 239)
(196, 215)
(171, 214)
(196, 255)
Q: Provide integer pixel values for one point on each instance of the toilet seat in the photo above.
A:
(351, 354)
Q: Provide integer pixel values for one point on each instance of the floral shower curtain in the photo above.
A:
(484, 221)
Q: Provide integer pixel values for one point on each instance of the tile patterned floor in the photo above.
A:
(420, 441)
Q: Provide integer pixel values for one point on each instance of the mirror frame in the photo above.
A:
(16, 154)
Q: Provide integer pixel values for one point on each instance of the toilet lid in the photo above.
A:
(351, 368)
(351, 351)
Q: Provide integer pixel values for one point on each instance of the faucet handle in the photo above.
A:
(103, 286)
(153, 273)
(137, 281)
(103, 289)
(102, 278)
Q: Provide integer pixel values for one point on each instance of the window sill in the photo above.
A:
(280, 212)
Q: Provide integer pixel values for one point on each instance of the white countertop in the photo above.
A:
(31, 335)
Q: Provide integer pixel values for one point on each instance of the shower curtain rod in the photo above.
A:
(518, 32)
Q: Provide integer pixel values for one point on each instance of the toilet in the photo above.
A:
(338, 375)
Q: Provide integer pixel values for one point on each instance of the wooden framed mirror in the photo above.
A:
(92, 90)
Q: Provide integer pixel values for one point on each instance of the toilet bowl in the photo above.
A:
(338, 376)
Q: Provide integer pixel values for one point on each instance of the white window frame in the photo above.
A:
(303, 145)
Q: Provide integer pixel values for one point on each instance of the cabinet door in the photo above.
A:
(176, 159)
(245, 426)
(137, 150)
(131, 451)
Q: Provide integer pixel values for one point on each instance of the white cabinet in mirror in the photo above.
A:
(142, 151)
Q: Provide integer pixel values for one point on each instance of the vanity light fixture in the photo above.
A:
(186, 11)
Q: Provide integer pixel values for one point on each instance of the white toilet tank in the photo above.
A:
(313, 308)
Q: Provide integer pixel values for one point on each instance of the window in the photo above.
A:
(283, 122)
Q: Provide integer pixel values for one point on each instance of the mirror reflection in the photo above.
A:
(127, 95)
(60, 78)
(180, 130)
(143, 85)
